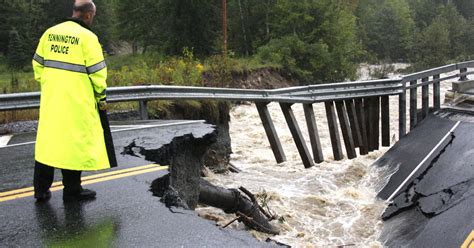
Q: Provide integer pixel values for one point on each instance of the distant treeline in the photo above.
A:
(317, 40)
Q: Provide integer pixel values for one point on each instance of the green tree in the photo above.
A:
(250, 24)
(4, 26)
(425, 11)
(465, 7)
(432, 46)
(314, 39)
(469, 37)
(193, 24)
(16, 55)
(457, 30)
(386, 28)
(135, 23)
(170, 25)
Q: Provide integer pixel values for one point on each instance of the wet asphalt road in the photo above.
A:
(435, 208)
(125, 214)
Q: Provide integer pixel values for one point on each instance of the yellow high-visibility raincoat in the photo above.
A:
(70, 66)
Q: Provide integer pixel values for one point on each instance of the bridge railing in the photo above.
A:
(362, 107)
(302, 94)
(424, 79)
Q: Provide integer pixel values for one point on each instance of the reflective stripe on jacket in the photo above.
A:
(70, 66)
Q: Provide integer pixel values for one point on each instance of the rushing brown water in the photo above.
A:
(332, 204)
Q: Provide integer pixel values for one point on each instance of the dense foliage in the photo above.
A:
(316, 40)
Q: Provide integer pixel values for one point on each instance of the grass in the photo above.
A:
(250, 64)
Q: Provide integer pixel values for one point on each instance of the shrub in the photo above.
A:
(182, 70)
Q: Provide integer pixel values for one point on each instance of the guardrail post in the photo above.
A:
(463, 77)
(413, 104)
(425, 101)
(436, 93)
(359, 106)
(270, 130)
(354, 122)
(313, 133)
(333, 131)
(143, 110)
(385, 121)
(402, 105)
(346, 130)
(296, 133)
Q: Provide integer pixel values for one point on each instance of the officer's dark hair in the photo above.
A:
(84, 8)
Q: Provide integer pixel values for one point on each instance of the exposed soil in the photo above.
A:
(264, 78)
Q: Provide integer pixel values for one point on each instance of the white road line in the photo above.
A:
(4, 140)
(158, 125)
(118, 126)
(138, 127)
(21, 144)
(423, 161)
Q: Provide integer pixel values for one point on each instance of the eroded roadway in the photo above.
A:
(434, 205)
(125, 214)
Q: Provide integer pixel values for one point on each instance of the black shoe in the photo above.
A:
(82, 195)
(42, 197)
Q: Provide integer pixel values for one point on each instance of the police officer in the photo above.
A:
(70, 66)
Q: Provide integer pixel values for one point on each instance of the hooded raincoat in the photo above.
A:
(70, 66)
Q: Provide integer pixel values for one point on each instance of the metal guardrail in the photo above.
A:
(302, 94)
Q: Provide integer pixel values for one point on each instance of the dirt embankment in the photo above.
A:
(218, 156)
(264, 78)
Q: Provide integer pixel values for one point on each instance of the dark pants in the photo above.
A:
(44, 176)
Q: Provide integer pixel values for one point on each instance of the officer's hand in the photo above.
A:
(103, 105)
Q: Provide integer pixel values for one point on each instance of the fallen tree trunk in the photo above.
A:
(233, 202)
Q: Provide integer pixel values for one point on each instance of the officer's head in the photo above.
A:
(84, 10)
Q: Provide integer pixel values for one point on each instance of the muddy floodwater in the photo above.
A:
(332, 204)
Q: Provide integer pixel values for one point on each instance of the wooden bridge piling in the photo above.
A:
(359, 106)
(346, 130)
(297, 136)
(270, 130)
(333, 131)
(313, 133)
(369, 106)
(354, 122)
(385, 105)
(377, 123)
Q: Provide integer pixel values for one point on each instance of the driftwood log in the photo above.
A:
(231, 201)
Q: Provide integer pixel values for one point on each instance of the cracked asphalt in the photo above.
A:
(436, 207)
(125, 214)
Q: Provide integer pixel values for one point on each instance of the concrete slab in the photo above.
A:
(463, 86)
